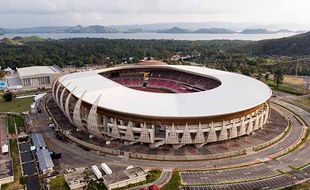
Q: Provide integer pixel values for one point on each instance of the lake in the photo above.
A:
(253, 37)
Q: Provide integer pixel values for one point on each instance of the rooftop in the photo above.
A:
(236, 93)
(37, 70)
(123, 175)
(45, 160)
(75, 179)
(38, 140)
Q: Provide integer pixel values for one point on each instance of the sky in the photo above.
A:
(293, 14)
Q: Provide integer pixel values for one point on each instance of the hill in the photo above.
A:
(10, 42)
(290, 46)
(214, 31)
(174, 30)
(20, 40)
(257, 31)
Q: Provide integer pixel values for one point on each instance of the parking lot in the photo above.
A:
(228, 176)
(29, 164)
(271, 183)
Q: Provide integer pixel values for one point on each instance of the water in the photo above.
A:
(2, 84)
(253, 37)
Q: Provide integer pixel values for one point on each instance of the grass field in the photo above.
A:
(174, 182)
(59, 183)
(288, 88)
(303, 101)
(15, 158)
(11, 126)
(16, 105)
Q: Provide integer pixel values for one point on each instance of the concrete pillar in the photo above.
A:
(53, 88)
(172, 137)
(199, 138)
(92, 123)
(261, 122)
(129, 133)
(242, 130)
(186, 137)
(105, 123)
(57, 91)
(115, 131)
(61, 104)
(67, 111)
(152, 134)
(223, 134)
(77, 113)
(212, 137)
(144, 136)
(250, 126)
(233, 132)
(256, 125)
(267, 113)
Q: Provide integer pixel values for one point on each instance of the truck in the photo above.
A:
(106, 168)
(96, 171)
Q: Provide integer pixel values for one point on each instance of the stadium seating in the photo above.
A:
(172, 80)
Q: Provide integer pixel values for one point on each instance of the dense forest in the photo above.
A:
(241, 56)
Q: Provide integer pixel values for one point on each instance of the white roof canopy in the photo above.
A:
(236, 93)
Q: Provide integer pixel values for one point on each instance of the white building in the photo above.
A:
(124, 178)
(38, 76)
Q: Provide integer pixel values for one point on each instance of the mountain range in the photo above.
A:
(138, 28)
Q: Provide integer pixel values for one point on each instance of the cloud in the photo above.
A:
(70, 12)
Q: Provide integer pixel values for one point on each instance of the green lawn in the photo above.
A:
(59, 183)
(174, 182)
(11, 126)
(284, 88)
(20, 123)
(16, 105)
(303, 101)
(15, 158)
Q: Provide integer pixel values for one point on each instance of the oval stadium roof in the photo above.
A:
(236, 93)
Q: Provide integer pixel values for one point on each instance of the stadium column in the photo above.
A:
(233, 131)
(105, 124)
(267, 113)
(57, 92)
(77, 113)
(242, 130)
(144, 135)
(67, 111)
(199, 135)
(61, 98)
(186, 137)
(212, 137)
(115, 132)
(171, 137)
(250, 126)
(223, 133)
(129, 133)
(53, 88)
(92, 122)
(256, 125)
(261, 122)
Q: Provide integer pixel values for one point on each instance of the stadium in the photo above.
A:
(163, 104)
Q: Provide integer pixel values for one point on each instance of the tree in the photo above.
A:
(23, 180)
(90, 183)
(8, 96)
(278, 77)
(266, 77)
